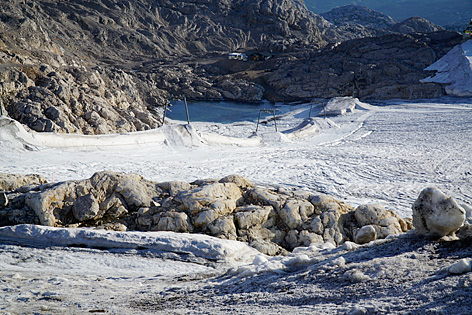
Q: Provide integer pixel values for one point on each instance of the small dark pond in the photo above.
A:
(223, 112)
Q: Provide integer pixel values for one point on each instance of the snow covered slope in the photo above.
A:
(455, 70)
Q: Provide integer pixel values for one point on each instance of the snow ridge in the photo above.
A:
(200, 245)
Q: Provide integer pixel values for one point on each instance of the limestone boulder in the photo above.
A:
(223, 227)
(305, 238)
(263, 196)
(295, 212)
(205, 217)
(11, 182)
(251, 216)
(134, 192)
(268, 248)
(48, 203)
(240, 181)
(332, 227)
(436, 214)
(221, 197)
(370, 214)
(85, 207)
(175, 187)
(323, 202)
(385, 222)
(365, 234)
(113, 207)
(171, 221)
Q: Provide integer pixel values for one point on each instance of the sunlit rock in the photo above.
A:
(436, 214)
(365, 234)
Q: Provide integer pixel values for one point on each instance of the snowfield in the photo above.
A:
(385, 153)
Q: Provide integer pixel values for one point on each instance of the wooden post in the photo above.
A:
(164, 115)
(275, 120)
(258, 119)
(186, 110)
(268, 111)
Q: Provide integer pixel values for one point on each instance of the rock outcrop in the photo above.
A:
(415, 25)
(12, 182)
(389, 66)
(358, 14)
(73, 66)
(271, 220)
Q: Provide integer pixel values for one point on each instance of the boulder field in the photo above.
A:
(272, 220)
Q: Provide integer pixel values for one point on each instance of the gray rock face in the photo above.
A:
(435, 214)
(415, 25)
(271, 220)
(85, 208)
(357, 14)
(11, 182)
(91, 68)
(382, 67)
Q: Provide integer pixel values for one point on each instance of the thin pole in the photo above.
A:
(186, 110)
(164, 116)
(258, 119)
(311, 107)
(275, 120)
(324, 109)
(268, 111)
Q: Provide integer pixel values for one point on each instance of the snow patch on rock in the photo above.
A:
(455, 70)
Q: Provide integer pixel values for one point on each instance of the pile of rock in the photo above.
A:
(269, 219)
(74, 99)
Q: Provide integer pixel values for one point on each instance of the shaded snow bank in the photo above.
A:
(180, 135)
(202, 246)
(454, 69)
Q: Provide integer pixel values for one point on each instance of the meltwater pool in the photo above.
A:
(223, 111)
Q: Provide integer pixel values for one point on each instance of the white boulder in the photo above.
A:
(460, 267)
(436, 214)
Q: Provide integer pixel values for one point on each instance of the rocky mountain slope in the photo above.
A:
(97, 67)
(383, 67)
(441, 12)
(357, 14)
(67, 66)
